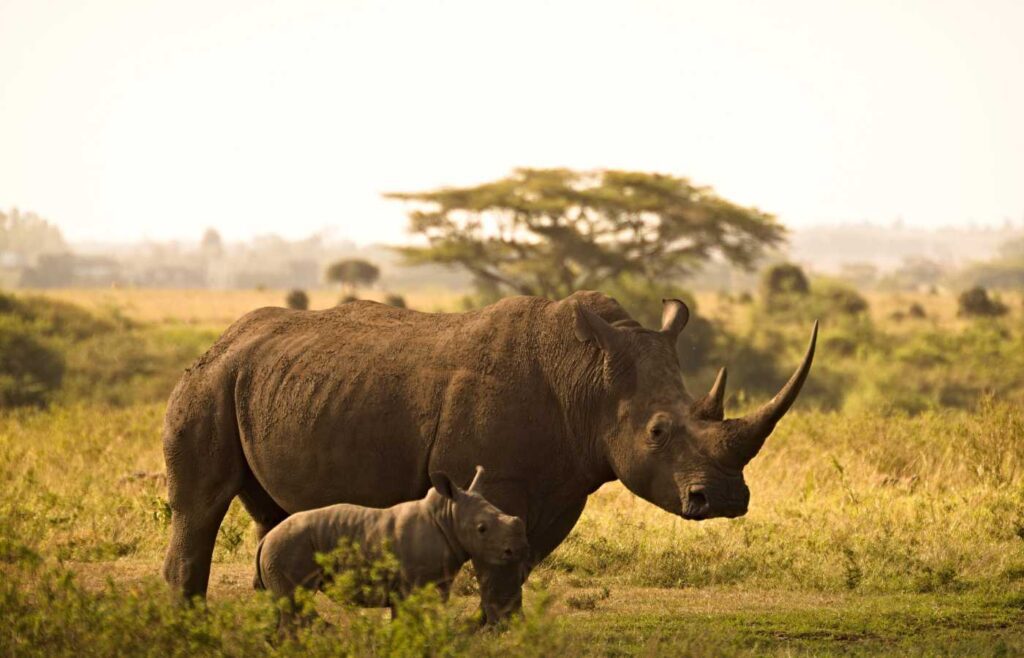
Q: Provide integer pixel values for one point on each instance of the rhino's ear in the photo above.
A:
(589, 326)
(443, 484)
(674, 316)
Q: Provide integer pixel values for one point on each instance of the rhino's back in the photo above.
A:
(345, 404)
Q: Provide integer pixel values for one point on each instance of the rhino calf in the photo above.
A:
(430, 538)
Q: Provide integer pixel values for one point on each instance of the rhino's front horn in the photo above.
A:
(746, 435)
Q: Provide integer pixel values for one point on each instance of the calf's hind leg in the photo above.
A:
(204, 473)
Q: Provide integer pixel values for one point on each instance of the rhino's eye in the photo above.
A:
(659, 431)
(481, 528)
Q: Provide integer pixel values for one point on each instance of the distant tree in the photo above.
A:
(552, 231)
(297, 299)
(212, 245)
(28, 234)
(976, 302)
(395, 300)
(352, 273)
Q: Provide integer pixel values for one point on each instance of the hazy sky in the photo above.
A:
(122, 119)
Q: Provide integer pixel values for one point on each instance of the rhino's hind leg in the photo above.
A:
(265, 512)
(205, 468)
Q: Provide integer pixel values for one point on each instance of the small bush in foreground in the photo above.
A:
(44, 611)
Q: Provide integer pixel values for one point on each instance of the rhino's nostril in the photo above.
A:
(697, 498)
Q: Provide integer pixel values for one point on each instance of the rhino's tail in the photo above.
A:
(257, 579)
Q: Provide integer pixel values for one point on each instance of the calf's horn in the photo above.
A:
(746, 435)
(476, 478)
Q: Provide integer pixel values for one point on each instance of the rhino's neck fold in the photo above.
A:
(575, 374)
(442, 512)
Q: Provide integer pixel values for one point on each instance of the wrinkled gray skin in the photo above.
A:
(430, 539)
(293, 410)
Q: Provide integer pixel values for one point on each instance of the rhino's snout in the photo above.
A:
(517, 548)
(700, 504)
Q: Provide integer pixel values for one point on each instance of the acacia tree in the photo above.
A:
(352, 273)
(552, 231)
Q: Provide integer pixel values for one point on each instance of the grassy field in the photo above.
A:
(869, 533)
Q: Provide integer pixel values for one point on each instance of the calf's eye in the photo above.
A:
(481, 528)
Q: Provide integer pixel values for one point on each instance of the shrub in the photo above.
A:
(395, 300)
(975, 302)
(784, 279)
(347, 298)
(838, 298)
(297, 299)
(46, 612)
(31, 369)
(61, 319)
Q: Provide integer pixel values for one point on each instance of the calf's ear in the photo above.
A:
(443, 484)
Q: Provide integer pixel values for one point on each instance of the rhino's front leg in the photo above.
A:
(501, 590)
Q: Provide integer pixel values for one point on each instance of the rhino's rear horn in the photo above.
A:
(712, 405)
(748, 434)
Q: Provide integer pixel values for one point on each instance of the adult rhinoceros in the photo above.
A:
(292, 410)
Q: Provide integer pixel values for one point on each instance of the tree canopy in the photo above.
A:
(353, 272)
(552, 231)
(26, 233)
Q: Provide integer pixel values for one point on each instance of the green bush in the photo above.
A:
(53, 350)
(395, 300)
(58, 319)
(132, 365)
(297, 299)
(44, 611)
(782, 282)
(975, 302)
(31, 369)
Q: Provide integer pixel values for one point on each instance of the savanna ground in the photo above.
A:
(887, 511)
